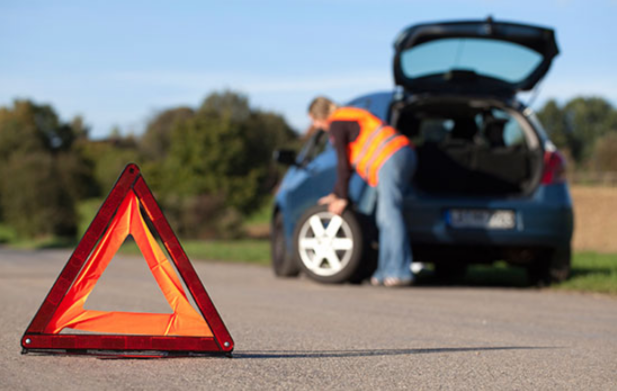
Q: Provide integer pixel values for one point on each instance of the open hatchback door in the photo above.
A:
(473, 57)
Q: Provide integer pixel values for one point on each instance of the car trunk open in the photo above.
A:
(471, 147)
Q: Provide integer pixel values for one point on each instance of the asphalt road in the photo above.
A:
(296, 334)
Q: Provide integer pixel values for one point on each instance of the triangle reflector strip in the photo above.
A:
(182, 332)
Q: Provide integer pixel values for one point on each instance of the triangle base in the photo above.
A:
(121, 345)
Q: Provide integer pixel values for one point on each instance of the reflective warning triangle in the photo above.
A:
(184, 331)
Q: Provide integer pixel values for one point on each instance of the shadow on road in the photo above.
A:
(499, 275)
(367, 352)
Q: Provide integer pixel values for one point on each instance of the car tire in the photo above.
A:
(283, 264)
(560, 264)
(553, 266)
(330, 254)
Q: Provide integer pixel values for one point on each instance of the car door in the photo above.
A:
(310, 179)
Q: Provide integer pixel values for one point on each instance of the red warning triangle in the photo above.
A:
(182, 332)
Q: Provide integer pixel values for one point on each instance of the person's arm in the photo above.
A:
(341, 134)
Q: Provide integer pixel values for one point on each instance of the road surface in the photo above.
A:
(296, 334)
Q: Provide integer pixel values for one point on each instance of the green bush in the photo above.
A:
(577, 125)
(203, 216)
(107, 159)
(42, 174)
(209, 167)
(35, 202)
(154, 143)
(221, 155)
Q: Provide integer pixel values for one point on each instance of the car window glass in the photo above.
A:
(513, 134)
(314, 146)
(497, 59)
(320, 145)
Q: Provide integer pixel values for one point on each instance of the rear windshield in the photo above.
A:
(501, 60)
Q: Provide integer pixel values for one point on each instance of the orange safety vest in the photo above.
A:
(376, 142)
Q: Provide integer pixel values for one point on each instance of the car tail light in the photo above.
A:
(554, 168)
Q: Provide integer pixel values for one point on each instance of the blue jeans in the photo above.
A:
(394, 246)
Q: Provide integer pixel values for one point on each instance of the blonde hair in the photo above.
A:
(322, 107)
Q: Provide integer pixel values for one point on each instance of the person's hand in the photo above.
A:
(327, 200)
(337, 206)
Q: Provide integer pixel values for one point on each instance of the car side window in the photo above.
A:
(511, 133)
(314, 146)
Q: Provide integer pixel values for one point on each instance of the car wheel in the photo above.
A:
(282, 264)
(560, 263)
(329, 248)
(552, 266)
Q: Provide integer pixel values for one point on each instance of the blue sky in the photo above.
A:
(118, 62)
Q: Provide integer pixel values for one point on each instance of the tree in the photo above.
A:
(605, 153)
(107, 158)
(226, 104)
(154, 143)
(210, 154)
(554, 121)
(79, 127)
(589, 119)
(19, 130)
(221, 156)
(34, 201)
(577, 125)
(38, 169)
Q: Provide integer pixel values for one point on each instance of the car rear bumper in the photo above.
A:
(545, 219)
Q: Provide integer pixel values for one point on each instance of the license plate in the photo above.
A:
(482, 218)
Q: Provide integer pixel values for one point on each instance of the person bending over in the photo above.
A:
(385, 159)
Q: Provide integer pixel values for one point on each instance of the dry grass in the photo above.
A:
(595, 214)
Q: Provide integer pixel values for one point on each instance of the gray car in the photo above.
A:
(490, 185)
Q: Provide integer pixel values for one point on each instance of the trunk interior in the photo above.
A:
(471, 147)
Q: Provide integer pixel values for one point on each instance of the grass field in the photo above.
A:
(591, 272)
(254, 251)
(6, 234)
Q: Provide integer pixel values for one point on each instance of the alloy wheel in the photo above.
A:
(325, 244)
